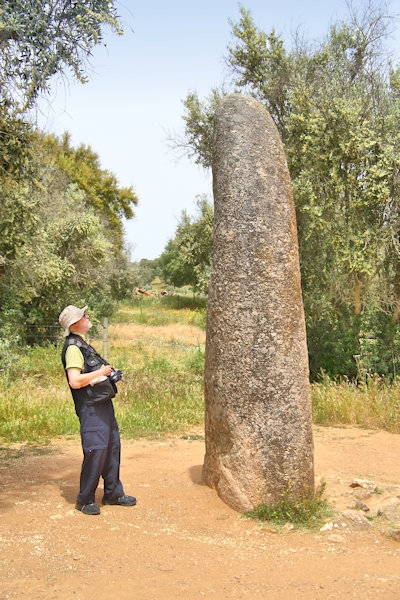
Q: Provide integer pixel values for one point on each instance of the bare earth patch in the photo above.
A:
(181, 540)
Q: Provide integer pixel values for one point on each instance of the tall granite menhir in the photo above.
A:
(259, 441)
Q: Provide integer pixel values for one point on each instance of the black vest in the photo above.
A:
(92, 362)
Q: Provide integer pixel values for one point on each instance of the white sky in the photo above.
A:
(138, 82)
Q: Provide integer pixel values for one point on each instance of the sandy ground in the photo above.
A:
(181, 540)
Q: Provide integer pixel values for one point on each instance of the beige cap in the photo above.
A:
(70, 315)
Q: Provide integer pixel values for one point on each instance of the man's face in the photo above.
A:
(82, 326)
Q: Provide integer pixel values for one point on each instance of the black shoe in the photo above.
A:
(121, 501)
(88, 509)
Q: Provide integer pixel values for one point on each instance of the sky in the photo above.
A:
(133, 101)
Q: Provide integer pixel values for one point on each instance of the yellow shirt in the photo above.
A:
(74, 357)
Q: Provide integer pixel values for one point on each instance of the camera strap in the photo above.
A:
(84, 347)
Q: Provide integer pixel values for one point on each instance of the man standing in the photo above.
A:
(92, 383)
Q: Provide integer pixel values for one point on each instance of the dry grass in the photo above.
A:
(371, 404)
(179, 333)
(161, 352)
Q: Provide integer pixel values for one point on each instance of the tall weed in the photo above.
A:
(370, 403)
(162, 388)
(161, 392)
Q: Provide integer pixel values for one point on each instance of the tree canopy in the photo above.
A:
(336, 105)
(61, 214)
(40, 39)
(59, 242)
(186, 259)
(102, 192)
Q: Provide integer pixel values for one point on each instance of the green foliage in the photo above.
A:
(187, 257)
(61, 233)
(59, 246)
(308, 511)
(346, 197)
(66, 255)
(260, 64)
(144, 272)
(60, 265)
(15, 146)
(337, 342)
(336, 105)
(199, 125)
(18, 216)
(102, 193)
(39, 39)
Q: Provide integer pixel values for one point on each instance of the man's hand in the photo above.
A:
(78, 380)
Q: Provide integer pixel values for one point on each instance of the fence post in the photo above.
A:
(105, 338)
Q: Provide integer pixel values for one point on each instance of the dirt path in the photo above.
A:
(180, 540)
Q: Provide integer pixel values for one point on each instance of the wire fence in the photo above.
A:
(42, 334)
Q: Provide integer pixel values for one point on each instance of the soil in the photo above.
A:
(181, 540)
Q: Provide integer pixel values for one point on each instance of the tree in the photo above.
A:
(186, 259)
(59, 245)
(61, 232)
(102, 192)
(145, 271)
(39, 39)
(336, 106)
(342, 149)
(65, 256)
(261, 65)
(199, 125)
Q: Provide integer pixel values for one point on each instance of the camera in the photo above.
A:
(115, 375)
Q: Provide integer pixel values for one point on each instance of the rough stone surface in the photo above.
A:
(395, 535)
(353, 519)
(259, 441)
(390, 510)
(364, 484)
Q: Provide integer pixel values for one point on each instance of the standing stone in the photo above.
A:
(258, 429)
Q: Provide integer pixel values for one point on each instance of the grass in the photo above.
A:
(162, 357)
(307, 512)
(160, 347)
(165, 310)
(160, 344)
(371, 403)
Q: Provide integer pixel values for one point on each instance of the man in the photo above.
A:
(92, 388)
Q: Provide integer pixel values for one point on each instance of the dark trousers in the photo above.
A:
(101, 452)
